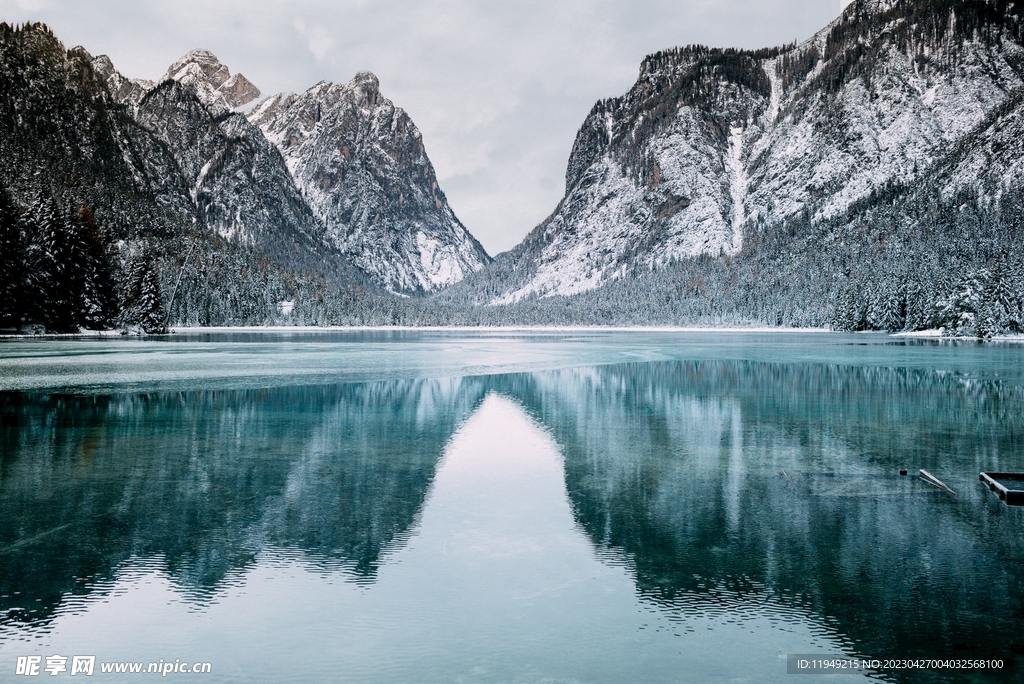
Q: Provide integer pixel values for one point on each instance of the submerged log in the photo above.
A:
(932, 480)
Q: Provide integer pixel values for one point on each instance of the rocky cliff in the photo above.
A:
(361, 166)
(202, 73)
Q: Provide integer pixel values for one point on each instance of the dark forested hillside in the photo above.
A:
(131, 206)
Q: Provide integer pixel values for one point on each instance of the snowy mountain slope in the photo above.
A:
(990, 160)
(710, 143)
(237, 181)
(362, 168)
(653, 175)
(61, 136)
(889, 95)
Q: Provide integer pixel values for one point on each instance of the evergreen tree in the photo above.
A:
(960, 311)
(141, 302)
(67, 281)
(998, 305)
(50, 283)
(12, 262)
(97, 302)
(887, 308)
(850, 312)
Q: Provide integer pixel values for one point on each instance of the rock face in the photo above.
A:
(360, 164)
(349, 171)
(348, 179)
(211, 81)
(710, 144)
(123, 90)
(236, 179)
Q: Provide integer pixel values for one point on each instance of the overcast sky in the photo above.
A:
(498, 88)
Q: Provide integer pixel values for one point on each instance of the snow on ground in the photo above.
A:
(939, 334)
(439, 262)
(738, 180)
(920, 333)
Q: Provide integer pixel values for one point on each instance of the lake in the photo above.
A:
(509, 506)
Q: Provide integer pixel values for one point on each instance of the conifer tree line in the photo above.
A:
(57, 271)
(955, 265)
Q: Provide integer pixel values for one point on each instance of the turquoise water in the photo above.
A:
(509, 507)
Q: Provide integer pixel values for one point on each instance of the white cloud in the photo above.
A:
(317, 38)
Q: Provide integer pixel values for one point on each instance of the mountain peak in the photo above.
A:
(366, 89)
(868, 6)
(212, 82)
(198, 63)
(361, 165)
(366, 79)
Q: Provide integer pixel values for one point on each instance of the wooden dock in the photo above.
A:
(1009, 486)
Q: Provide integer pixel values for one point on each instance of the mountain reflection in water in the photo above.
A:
(722, 486)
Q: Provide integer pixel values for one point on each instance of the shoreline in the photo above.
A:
(494, 328)
(302, 329)
(181, 331)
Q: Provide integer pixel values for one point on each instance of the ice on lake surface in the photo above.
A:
(509, 507)
(254, 360)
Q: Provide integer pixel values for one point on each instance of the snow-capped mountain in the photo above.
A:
(118, 183)
(211, 81)
(712, 145)
(361, 166)
(871, 177)
(349, 172)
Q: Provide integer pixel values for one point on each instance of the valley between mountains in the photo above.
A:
(867, 178)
